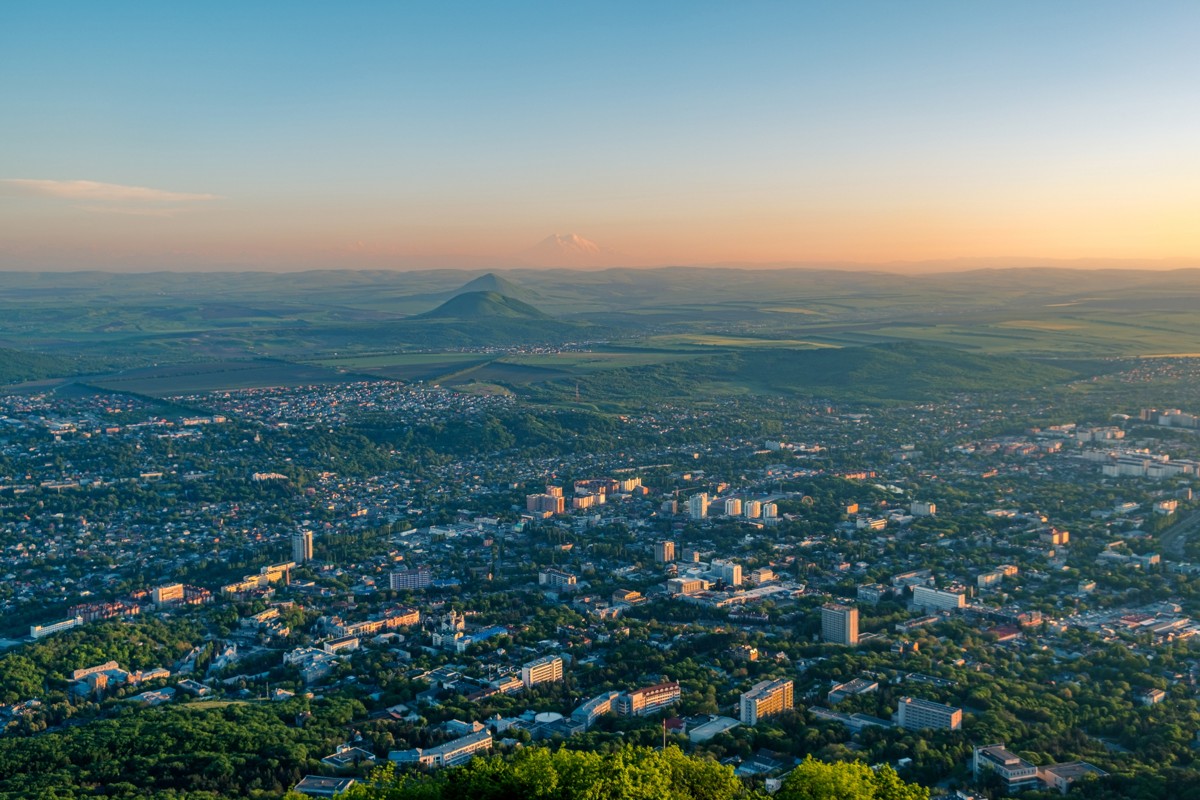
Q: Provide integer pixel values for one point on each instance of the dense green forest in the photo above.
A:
(631, 773)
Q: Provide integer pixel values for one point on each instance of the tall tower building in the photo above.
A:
(664, 552)
(302, 547)
(698, 506)
(839, 624)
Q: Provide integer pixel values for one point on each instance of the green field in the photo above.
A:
(377, 360)
(1069, 335)
(707, 340)
(595, 361)
(210, 705)
(431, 367)
(215, 376)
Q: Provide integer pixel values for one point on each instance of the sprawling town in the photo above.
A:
(990, 595)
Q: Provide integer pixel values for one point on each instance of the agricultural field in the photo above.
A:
(1060, 335)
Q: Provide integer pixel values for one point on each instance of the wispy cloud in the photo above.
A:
(133, 211)
(94, 191)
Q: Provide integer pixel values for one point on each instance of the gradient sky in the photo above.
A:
(164, 135)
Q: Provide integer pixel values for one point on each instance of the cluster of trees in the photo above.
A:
(629, 773)
(194, 752)
(43, 668)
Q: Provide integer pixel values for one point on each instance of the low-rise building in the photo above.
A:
(641, 702)
(914, 714)
(932, 599)
(456, 751)
(1015, 772)
(591, 710)
(321, 786)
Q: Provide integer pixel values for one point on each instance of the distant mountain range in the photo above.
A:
(570, 250)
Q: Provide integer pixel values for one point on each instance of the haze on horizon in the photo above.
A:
(387, 135)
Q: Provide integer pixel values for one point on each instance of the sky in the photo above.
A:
(303, 135)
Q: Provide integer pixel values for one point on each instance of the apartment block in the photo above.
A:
(839, 624)
(932, 599)
(542, 670)
(766, 699)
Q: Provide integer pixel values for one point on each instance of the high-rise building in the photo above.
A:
(698, 506)
(302, 547)
(545, 503)
(839, 624)
(167, 594)
(727, 571)
(752, 509)
(664, 552)
(542, 670)
(770, 511)
(733, 506)
(766, 699)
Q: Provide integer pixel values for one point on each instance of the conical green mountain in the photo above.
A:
(491, 282)
(481, 305)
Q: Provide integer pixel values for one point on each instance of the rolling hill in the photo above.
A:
(19, 365)
(896, 371)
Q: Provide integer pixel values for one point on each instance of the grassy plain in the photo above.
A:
(217, 376)
(708, 340)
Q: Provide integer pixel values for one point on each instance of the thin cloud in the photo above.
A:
(133, 211)
(94, 191)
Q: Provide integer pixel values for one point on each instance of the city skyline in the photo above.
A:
(384, 136)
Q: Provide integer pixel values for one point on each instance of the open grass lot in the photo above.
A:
(209, 705)
(409, 366)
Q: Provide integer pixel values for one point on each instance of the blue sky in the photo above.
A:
(400, 134)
